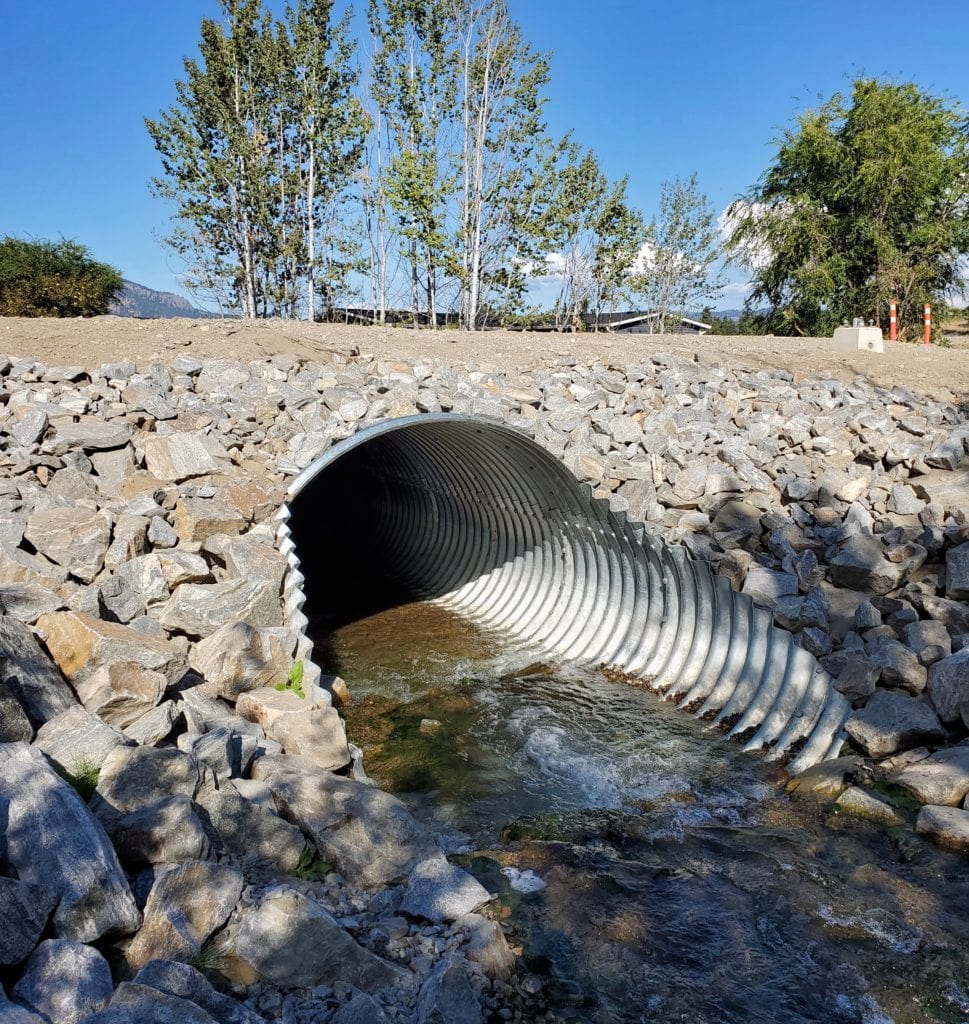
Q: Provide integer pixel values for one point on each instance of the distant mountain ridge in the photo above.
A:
(140, 301)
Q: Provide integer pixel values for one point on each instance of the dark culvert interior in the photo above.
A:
(480, 516)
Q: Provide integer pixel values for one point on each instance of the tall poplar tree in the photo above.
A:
(257, 153)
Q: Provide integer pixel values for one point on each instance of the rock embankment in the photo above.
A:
(168, 807)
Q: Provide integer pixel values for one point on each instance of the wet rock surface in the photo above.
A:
(143, 631)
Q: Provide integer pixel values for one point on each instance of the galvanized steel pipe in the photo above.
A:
(476, 515)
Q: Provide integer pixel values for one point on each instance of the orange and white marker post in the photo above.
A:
(893, 320)
(927, 325)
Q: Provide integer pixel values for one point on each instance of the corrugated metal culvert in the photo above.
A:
(476, 515)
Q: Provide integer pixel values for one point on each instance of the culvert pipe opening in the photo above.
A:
(476, 515)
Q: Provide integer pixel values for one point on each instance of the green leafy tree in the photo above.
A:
(414, 87)
(595, 234)
(867, 199)
(54, 279)
(677, 264)
(258, 154)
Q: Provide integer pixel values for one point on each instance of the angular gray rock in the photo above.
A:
(185, 906)
(154, 726)
(184, 982)
(30, 426)
(857, 678)
(285, 920)
(228, 753)
(122, 692)
(861, 804)
(317, 734)
(766, 586)
(238, 657)
(942, 778)
(14, 723)
(52, 840)
(81, 644)
(199, 609)
(166, 832)
(948, 826)
(28, 601)
(957, 572)
(900, 667)
(77, 741)
(360, 1010)
(448, 997)
(948, 685)
(136, 777)
(861, 565)
(142, 1004)
(24, 910)
(75, 538)
(439, 891)
(929, 640)
(370, 836)
(249, 829)
(183, 455)
(892, 721)
(30, 674)
(65, 981)
(486, 945)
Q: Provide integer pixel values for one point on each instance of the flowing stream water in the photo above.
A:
(651, 872)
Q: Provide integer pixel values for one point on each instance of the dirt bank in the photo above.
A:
(940, 373)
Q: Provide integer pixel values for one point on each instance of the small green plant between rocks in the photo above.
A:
(82, 776)
(294, 682)
(211, 957)
(311, 867)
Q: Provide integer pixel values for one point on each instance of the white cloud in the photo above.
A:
(755, 252)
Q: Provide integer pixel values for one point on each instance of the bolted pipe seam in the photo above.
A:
(478, 516)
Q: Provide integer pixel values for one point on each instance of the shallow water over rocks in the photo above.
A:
(650, 871)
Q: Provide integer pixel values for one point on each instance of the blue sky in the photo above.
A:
(657, 89)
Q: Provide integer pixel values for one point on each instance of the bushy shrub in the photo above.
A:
(53, 279)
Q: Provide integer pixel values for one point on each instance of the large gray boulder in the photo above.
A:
(942, 778)
(142, 1004)
(133, 778)
(166, 832)
(178, 456)
(199, 609)
(14, 723)
(891, 722)
(81, 644)
(948, 686)
(238, 657)
(285, 920)
(369, 835)
(65, 981)
(24, 910)
(52, 840)
(185, 907)
(316, 734)
(948, 826)
(248, 829)
(448, 997)
(439, 891)
(184, 982)
(861, 565)
(76, 740)
(120, 693)
(30, 674)
(75, 538)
